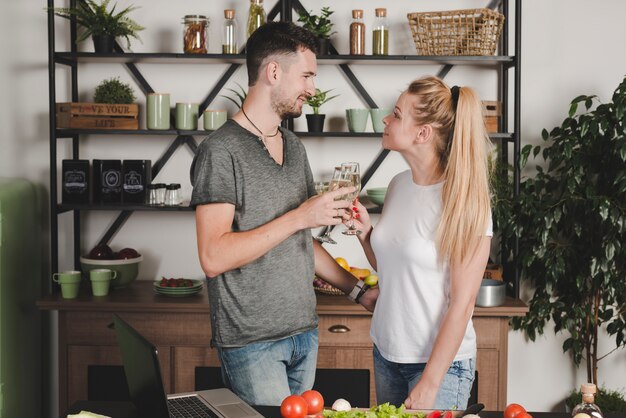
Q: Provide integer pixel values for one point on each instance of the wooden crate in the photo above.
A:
(493, 271)
(492, 111)
(97, 116)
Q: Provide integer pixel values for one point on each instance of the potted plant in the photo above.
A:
(101, 24)
(113, 91)
(570, 220)
(315, 121)
(240, 95)
(321, 26)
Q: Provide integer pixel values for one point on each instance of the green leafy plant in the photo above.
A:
(96, 19)
(570, 219)
(319, 25)
(113, 91)
(240, 95)
(318, 99)
(607, 400)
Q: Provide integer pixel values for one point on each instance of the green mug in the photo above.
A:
(377, 118)
(187, 116)
(213, 119)
(158, 111)
(69, 281)
(357, 119)
(100, 281)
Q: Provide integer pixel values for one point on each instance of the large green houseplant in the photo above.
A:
(570, 219)
(102, 24)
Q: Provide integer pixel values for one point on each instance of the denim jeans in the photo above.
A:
(394, 381)
(264, 373)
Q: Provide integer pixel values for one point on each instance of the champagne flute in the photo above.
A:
(338, 180)
(353, 176)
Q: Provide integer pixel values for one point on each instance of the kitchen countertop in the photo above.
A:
(127, 410)
(140, 297)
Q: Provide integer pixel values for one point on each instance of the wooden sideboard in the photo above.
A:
(181, 330)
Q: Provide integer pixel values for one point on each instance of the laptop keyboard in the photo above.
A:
(189, 407)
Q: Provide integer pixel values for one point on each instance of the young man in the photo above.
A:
(255, 205)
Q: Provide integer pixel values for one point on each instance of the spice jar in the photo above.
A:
(256, 15)
(160, 194)
(229, 33)
(357, 33)
(380, 38)
(195, 34)
(172, 195)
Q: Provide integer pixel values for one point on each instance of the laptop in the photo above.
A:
(145, 384)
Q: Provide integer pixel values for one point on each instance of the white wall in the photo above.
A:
(569, 48)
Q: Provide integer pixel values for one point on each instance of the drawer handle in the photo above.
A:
(339, 329)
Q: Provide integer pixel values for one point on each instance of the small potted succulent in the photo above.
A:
(315, 121)
(102, 24)
(321, 26)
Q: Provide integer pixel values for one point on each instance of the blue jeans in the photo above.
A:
(394, 381)
(265, 373)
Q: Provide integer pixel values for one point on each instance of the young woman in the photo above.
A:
(430, 247)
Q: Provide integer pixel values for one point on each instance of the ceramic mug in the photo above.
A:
(213, 119)
(158, 111)
(69, 281)
(377, 118)
(101, 280)
(357, 119)
(187, 116)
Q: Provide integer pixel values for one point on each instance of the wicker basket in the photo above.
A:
(456, 32)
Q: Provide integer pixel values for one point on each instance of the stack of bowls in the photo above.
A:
(376, 195)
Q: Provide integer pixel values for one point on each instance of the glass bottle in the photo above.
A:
(229, 33)
(195, 34)
(357, 33)
(380, 41)
(256, 15)
(587, 408)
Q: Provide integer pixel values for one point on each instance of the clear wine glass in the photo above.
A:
(337, 181)
(352, 173)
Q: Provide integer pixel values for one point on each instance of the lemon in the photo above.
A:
(371, 280)
(343, 263)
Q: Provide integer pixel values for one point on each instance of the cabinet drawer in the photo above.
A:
(344, 331)
(169, 329)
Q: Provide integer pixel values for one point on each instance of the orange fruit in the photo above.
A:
(343, 263)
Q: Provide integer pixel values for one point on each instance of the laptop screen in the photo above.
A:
(143, 372)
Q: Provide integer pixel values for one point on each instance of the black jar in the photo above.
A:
(107, 181)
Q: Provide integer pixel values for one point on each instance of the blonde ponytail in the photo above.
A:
(463, 147)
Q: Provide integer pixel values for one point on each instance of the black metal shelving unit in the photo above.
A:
(502, 64)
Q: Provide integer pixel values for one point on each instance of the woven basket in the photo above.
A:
(456, 32)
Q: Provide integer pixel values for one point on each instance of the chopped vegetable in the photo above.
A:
(385, 410)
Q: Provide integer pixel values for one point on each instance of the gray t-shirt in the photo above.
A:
(272, 297)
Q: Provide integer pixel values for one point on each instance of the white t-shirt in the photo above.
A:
(414, 288)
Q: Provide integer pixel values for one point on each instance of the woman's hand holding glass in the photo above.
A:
(360, 218)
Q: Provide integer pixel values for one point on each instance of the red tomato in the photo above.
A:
(293, 406)
(523, 415)
(434, 414)
(447, 414)
(314, 400)
(514, 410)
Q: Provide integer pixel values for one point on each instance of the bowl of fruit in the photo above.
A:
(366, 275)
(125, 262)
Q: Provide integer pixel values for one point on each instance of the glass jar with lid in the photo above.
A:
(256, 16)
(380, 38)
(195, 34)
(357, 33)
(173, 195)
(229, 33)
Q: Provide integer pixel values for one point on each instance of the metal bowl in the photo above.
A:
(491, 293)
